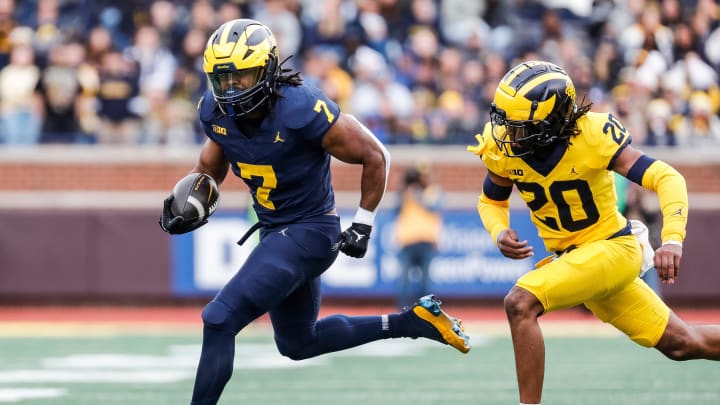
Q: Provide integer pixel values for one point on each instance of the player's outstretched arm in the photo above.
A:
(670, 186)
(351, 142)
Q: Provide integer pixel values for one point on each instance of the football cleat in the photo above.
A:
(438, 325)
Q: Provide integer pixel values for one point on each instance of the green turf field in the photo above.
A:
(158, 369)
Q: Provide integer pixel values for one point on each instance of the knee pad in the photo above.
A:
(291, 349)
(217, 315)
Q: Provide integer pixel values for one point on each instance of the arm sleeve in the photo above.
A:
(670, 187)
(494, 208)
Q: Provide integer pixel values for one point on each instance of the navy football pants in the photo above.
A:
(282, 277)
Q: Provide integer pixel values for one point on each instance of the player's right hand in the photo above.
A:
(510, 246)
(354, 241)
(667, 262)
(175, 224)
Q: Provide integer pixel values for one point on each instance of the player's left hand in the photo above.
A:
(354, 241)
(667, 262)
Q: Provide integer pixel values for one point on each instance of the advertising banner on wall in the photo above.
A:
(468, 264)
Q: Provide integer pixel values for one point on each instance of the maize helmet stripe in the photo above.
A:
(223, 48)
(515, 77)
(534, 88)
(230, 51)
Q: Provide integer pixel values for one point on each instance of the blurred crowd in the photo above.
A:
(415, 71)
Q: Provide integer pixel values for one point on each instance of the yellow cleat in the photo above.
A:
(450, 330)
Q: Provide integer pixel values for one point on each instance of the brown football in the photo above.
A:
(195, 196)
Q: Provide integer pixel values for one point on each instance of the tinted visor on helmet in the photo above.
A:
(239, 92)
(235, 83)
(516, 138)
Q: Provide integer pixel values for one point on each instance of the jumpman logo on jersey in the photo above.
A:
(572, 171)
(278, 138)
(679, 212)
(283, 232)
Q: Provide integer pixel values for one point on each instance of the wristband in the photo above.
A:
(672, 242)
(363, 216)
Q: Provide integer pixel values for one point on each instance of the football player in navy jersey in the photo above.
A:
(560, 156)
(278, 135)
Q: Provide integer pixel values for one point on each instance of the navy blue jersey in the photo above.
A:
(283, 162)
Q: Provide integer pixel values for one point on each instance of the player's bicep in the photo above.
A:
(626, 160)
(499, 180)
(348, 141)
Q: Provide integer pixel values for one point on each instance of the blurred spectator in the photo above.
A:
(190, 81)
(646, 35)
(157, 67)
(284, 24)
(202, 17)
(322, 68)
(445, 124)
(417, 232)
(62, 96)
(377, 32)
(19, 102)
(607, 64)
(702, 126)
(117, 89)
(7, 23)
(330, 28)
(381, 103)
(155, 62)
(100, 41)
(661, 128)
(164, 18)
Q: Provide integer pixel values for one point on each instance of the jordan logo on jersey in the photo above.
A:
(572, 171)
(278, 138)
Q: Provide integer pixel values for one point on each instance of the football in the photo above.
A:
(195, 196)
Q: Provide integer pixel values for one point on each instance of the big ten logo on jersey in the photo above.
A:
(514, 172)
(219, 130)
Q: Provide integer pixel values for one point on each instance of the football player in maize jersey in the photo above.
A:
(560, 156)
(278, 135)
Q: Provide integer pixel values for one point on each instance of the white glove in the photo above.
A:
(641, 232)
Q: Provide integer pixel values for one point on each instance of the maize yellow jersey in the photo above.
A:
(571, 194)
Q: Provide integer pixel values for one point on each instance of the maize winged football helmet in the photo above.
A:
(241, 63)
(532, 108)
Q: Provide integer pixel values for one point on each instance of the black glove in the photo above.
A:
(176, 225)
(354, 241)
